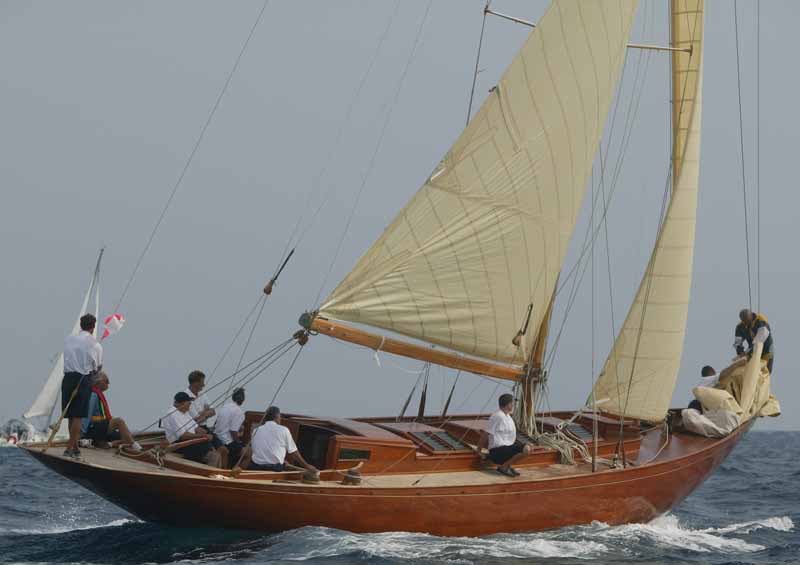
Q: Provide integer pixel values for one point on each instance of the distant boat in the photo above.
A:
(45, 410)
(471, 265)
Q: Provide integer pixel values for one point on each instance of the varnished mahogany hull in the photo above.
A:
(634, 494)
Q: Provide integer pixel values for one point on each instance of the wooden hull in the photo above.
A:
(634, 494)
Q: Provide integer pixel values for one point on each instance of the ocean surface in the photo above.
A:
(747, 512)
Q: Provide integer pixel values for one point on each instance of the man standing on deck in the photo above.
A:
(500, 438)
(754, 328)
(83, 356)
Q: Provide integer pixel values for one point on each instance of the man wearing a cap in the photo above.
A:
(180, 426)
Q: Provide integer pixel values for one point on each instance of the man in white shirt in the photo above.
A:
(83, 356)
(179, 426)
(200, 408)
(500, 438)
(230, 418)
(270, 446)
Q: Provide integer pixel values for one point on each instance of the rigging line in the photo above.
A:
(666, 202)
(191, 156)
(758, 155)
(219, 400)
(259, 359)
(337, 143)
(261, 297)
(741, 150)
(285, 376)
(249, 339)
(477, 62)
(372, 160)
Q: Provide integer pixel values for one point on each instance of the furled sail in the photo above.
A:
(41, 411)
(641, 371)
(486, 234)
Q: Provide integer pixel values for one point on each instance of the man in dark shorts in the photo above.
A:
(83, 356)
(500, 438)
(179, 426)
(100, 426)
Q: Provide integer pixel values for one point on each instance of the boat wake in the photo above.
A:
(596, 541)
(66, 528)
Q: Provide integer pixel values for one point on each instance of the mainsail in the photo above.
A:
(486, 235)
(41, 411)
(641, 371)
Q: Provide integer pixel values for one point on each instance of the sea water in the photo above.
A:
(747, 512)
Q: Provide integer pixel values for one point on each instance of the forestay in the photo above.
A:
(640, 373)
(486, 234)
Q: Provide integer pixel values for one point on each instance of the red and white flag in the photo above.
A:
(112, 325)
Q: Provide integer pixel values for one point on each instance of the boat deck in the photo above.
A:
(653, 451)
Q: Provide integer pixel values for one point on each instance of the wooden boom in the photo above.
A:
(397, 347)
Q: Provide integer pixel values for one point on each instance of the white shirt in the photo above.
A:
(82, 354)
(177, 423)
(501, 429)
(710, 382)
(270, 444)
(229, 419)
(199, 403)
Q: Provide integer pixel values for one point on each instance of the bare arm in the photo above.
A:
(297, 459)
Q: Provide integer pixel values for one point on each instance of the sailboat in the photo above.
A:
(466, 277)
(43, 413)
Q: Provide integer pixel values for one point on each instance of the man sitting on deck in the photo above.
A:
(230, 418)
(271, 445)
(100, 426)
(180, 426)
(501, 438)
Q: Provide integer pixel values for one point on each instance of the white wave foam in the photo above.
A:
(69, 528)
(779, 523)
(410, 546)
(667, 531)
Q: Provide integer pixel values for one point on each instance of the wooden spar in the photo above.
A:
(422, 353)
(537, 355)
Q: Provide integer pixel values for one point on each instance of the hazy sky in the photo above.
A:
(101, 103)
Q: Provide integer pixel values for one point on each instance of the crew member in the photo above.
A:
(754, 328)
(230, 418)
(83, 356)
(500, 438)
(179, 425)
(271, 445)
(100, 426)
(200, 408)
(708, 378)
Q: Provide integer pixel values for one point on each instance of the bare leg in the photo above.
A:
(223, 457)
(525, 450)
(74, 433)
(124, 432)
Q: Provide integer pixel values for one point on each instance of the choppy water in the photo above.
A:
(747, 512)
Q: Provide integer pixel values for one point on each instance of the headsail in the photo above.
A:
(42, 408)
(641, 371)
(486, 234)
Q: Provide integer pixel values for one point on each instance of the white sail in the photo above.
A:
(641, 371)
(486, 234)
(42, 408)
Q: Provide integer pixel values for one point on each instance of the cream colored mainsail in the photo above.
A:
(486, 234)
(640, 373)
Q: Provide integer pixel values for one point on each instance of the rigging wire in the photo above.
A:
(189, 160)
(758, 155)
(296, 231)
(378, 146)
(263, 300)
(235, 337)
(477, 62)
(741, 154)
